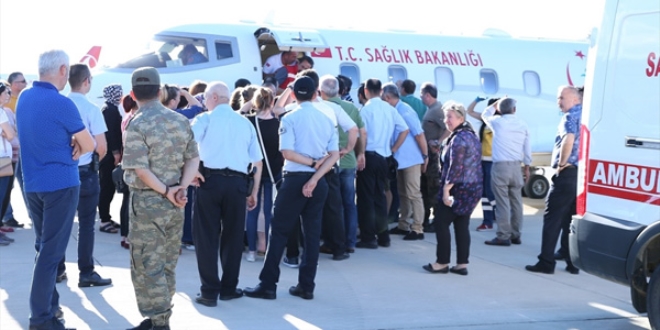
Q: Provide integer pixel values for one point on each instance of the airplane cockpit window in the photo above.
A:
(532, 83)
(396, 73)
(170, 51)
(444, 79)
(489, 83)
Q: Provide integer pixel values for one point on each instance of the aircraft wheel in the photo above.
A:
(537, 187)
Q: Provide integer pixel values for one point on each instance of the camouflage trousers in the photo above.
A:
(430, 184)
(156, 227)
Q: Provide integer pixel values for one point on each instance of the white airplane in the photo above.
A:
(493, 65)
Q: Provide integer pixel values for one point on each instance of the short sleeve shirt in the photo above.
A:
(160, 140)
(92, 118)
(434, 122)
(46, 123)
(569, 124)
(348, 160)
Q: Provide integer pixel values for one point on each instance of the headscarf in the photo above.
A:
(112, 94)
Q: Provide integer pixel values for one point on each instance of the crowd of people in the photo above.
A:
(292, 163)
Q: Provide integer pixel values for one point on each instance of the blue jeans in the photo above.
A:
(265, 198)
(187, 237)
(52, 219)
(88, 200)
(347, 186)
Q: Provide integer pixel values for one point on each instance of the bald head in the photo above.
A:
(216, 93)
(568, 97)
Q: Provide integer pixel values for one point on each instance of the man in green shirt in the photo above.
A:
(349, 162)
(406, 90)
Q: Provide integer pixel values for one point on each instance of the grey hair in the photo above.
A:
(51, 61)
(391, 90)
(329, 85)
(507, 105)
(578, 91)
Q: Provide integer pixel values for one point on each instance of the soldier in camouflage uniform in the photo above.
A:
(160, 159)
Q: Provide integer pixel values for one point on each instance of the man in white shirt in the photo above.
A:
(277, 61)
(510, 147)
(80, 79)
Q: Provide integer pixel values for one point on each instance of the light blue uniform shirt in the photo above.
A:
(309, 132)
(226, 139)
(381, 120)
(510, 137)
(92, 118)
(409, 153)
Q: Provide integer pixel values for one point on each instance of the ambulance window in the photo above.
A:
(444, 79)
(532, 83)
(351, 71)
(223, 50)
(396, 73)
(489, 81)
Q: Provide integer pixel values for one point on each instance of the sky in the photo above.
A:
(30, 27)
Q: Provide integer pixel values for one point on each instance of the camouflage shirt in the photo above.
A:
(160, 140)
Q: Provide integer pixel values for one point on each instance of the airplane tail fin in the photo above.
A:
(92, 57)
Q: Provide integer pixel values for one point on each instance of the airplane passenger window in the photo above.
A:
(532, 83)
(351, 71)
(489, 82)
(223, 50)
(444, 79)
(396, 73)
(169, 51)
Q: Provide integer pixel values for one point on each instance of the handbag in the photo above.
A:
(263, 148)
(6, 168)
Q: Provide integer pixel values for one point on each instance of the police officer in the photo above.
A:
(227, 145)
(160, 160)
(309, 144)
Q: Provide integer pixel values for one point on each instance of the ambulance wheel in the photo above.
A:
(653, 300)
(537, 187)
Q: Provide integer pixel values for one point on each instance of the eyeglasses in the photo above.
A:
(20, 81)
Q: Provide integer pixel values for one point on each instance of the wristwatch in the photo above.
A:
(313, 164)
(425, 157)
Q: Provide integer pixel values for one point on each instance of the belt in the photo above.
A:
(85, 167)
(298, 173)
(227, 172)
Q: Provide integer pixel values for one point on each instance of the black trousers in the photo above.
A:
(290, 208)
(107, 193)
(444, 216)
(218, 226)
(559, 208)
(334, 235)
(430, 185)
(371, 203)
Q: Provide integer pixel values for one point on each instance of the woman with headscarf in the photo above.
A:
(461, 185)
(112, 94)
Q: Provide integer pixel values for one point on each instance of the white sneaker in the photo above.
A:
(188, 247)
(251, 256)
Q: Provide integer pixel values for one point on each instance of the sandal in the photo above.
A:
(107, 227)
(114, 224)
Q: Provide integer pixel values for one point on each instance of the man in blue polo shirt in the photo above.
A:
(49, 124)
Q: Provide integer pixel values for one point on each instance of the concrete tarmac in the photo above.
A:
(374, 289)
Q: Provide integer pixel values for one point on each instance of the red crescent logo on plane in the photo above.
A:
(89, 60)
(579, 54)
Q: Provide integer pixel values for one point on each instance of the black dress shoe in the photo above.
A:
(459, 271)
(498, 242)
(146, 324)
(325, 250)
(366, 245)
(573, 270)
(429, 229)
(260, 292)
(516, 241)
(350, 250)
(413, 236)
(93, 279)
(558, 256)
(384, 243)
(299, 292)
(429, 268)
(398, 231)
(342, 256)
(236, 294)
(540, 269)
(206, 301)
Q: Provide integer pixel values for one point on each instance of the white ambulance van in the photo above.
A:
(616, 232)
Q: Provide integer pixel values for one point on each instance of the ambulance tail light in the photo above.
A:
(583, 170)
